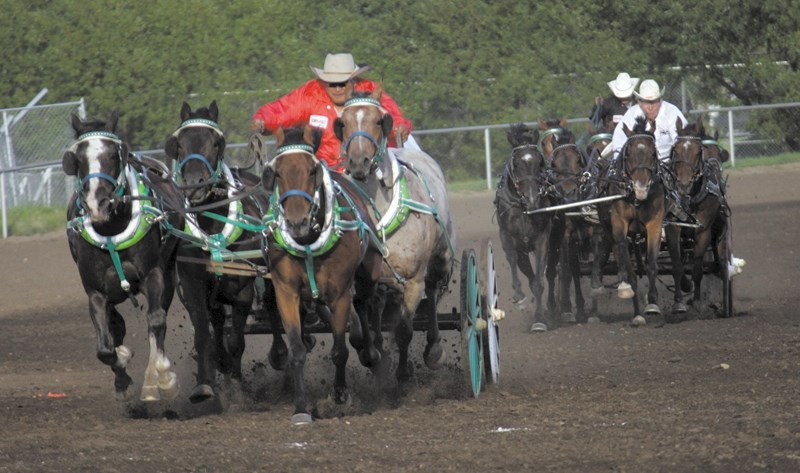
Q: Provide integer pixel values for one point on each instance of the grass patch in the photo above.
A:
(765, 161)
(35, 219)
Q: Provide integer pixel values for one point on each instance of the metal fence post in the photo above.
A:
(488, 147)
(730, 137)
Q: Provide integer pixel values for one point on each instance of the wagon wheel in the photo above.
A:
(491, 314)
(726, 257)
(472, 357)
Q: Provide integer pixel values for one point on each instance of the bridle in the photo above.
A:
(696, 166)
(380, 147)
(216, 173)
(119, 181)
(558, 177)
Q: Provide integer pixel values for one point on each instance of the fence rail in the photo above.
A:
(32, 136)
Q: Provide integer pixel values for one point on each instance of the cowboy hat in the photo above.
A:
(623, 85)
(649, 91)
(339, 68)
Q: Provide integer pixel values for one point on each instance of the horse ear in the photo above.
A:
(387, 122)
(628, 131)
(279, 136)
(308, 134)
(76, 123)
(186, 111)
(112, 122)
(213, 111)
(678, 124)
(268, 176)
(542, 124)
(171, 147)
(563, 123)
(378, 91)
(716, 135)
(338, 129)
(511, 139)
(69, 163)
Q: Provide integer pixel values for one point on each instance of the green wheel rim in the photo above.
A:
(475, 337)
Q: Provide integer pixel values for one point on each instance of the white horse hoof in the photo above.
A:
(652, 309)
(521, 303)
(538, 327)
(150, 394)
(624, 291)
(593, 320)
(170, 389)
(301, 419)
(638, 321)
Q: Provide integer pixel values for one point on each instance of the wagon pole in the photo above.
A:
(575, 204)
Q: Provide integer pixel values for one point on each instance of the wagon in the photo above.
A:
(476, 318)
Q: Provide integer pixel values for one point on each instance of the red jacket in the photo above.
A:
(310, 103)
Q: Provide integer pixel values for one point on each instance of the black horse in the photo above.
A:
(119, 250)
(520, 189)
(223, 220)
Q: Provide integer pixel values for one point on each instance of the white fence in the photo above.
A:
(33, 136)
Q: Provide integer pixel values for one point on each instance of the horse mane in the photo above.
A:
(520, 134)
(80, 126)
(296, 135)
(640, 126)
(693, 129)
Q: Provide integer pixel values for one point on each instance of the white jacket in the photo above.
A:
(666, 132)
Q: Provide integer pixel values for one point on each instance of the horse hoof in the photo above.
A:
(278, 359)
(538, 327)
(687, 286)
(433, 355)
(170, 389)
(596, 291)
(679, 308)
(638, 321)
(624, 291)
(568, 318)
(124, 395)
(652, 309)
(150, 394)
(310, 341)
(520, 302)
(301, 418)
(200, 393)
(369, 358)
(593, 320)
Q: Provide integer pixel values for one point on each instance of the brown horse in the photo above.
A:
(321, 247)
(409, 193)
(695, 167)
(640, 212)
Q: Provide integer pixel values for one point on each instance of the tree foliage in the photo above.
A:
(447, 62)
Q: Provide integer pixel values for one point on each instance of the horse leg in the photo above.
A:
(435, 280)
(702, 240)
(278, 353)
(159, 379)
(653, 228)
(289, 306)
(674, 244)
(364, 306)
(556, 253)
(404, 329)
(542, 321)
(575, 269)
(512, 256)
(109, 328)
(339, 353)
(197, 306)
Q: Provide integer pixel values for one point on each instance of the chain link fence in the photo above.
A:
(34, 138)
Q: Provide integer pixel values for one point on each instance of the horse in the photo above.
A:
(695, 161)
(322, 248)
(118, 221)
(568, 181)
(223, 219)
(641, 210)
(521, 189)
(411, 212)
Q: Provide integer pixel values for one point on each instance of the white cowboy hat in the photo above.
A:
(649, 91)
(623, 85)
(339, 68)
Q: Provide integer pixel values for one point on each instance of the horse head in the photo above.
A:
(549, 132)
(686, 159)
(526, 169)
(598, 139)
(198, 147)
(296, 177)
(363, 128)
(713, 151)
(98, 159)
(568, 165)
(639, 157)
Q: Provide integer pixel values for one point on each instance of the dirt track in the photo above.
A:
(598, 397)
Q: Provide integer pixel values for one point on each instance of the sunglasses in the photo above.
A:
(336, 85)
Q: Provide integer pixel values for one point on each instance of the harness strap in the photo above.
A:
(123, 281)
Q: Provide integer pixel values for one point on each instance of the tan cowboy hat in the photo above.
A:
(339, 68)
(623, 85)
(649, 91)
